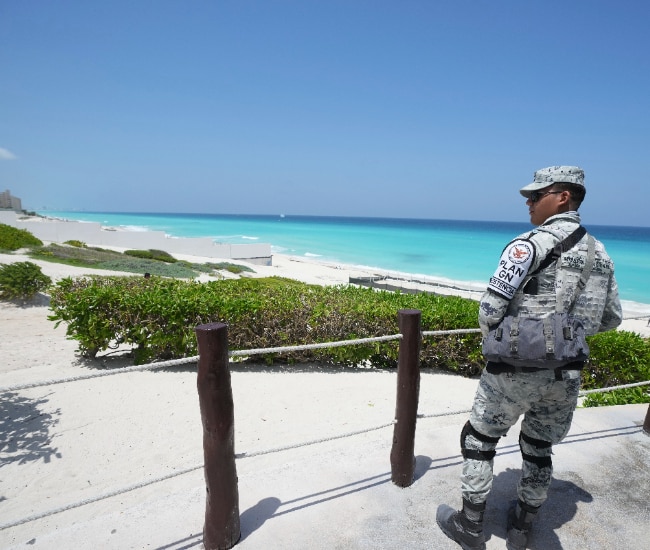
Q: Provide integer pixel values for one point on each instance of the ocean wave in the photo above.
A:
(633, 309)
(138, 228)
(438, 248)
(231, 238)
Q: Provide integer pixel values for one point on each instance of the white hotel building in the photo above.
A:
(7, 202)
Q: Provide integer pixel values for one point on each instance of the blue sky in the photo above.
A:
(417, 109)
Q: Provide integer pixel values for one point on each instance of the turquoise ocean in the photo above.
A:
(454, 249)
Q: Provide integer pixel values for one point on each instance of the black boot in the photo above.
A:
(520, 521)
(463, 526)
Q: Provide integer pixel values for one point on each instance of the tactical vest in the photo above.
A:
(537, 295)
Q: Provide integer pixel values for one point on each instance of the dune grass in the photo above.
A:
(80, 255)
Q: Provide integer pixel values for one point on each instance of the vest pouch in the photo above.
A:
(548, 342)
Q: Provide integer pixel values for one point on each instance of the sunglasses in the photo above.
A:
(538, 195)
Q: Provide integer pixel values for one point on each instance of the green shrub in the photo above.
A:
(153, 267)
(100, 258)
(617, 358)
(73, 255)
(159, 255)
(22, 280)
(158, 317)
(232, 268)
(146, 254)
(12, 238)
(627, 396)
(78, 244)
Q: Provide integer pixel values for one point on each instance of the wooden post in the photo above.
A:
(646, 424)
(402, 457)
(222, 528)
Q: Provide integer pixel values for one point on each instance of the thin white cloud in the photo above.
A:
(6, 155)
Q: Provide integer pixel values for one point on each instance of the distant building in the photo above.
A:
(7, 202)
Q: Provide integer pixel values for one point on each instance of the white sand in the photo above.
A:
(74, 441)
(69, 442)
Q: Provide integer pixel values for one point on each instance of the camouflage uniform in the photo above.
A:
(598, 305)
(545, 397)
(547, 405)
(526, 285)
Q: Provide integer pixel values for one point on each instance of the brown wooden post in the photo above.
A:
(402, 457)
(646, 424)
(222, 528)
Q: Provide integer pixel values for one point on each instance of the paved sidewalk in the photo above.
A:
(338, 495)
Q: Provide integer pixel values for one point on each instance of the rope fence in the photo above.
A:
(612, 388)
(266, 351)
(340, 343)
(194, 359)
(243, 455)
(103, 496)
(112, 372)
(405, 420)
(238, 456)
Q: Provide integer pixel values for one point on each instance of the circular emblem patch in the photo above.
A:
(519, 252)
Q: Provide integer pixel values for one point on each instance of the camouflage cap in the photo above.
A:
(554, 174)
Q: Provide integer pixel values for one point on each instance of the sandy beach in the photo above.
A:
(72, 442)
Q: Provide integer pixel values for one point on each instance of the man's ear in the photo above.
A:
(565, 198)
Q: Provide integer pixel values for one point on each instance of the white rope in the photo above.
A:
(97, 498)
(135, 486)
(612, 388)
(455, 331)
(257, 351)
(313, 441)
(136, 368)
(582, 393)
(176, 362)
(250, 454)
(446, 413)
(194, 359)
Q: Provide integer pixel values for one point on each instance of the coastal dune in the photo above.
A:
(60, 231)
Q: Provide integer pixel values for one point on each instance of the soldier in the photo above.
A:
(530, 282)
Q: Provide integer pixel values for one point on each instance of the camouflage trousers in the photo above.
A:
(547, 405)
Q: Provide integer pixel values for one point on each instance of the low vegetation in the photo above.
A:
(617, 358)
(154, 262)
(22, 280)
(159, 255)
(157, 316)
(74, 242)
(231, 268)
(12, 239)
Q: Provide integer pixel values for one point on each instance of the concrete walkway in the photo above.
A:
(339, 495)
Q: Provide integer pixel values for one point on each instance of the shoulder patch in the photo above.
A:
(514, 265)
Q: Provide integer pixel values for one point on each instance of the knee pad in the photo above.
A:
(476, 454)
(542, 460)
